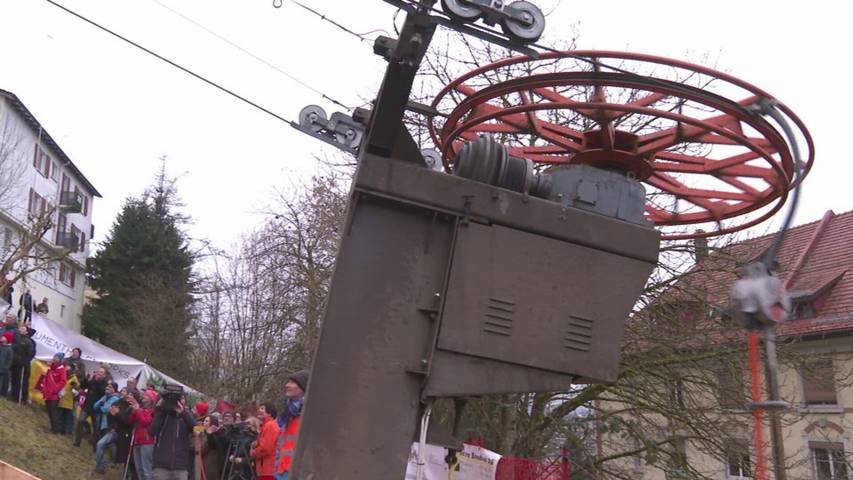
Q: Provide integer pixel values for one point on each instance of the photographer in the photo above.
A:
(95, 385)
(241, 436)
(172, 427)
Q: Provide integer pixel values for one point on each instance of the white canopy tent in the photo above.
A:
(51, 337)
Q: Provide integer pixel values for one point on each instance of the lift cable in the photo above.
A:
(176, 65)
(361, 36)
(254, 56)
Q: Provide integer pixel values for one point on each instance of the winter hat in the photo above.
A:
(10, 337)
(59, 355)
(300, 378)
(201, 409)
(152, 394)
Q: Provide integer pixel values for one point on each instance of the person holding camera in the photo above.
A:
(241, 437)
(172, 428)
(95, 385)
(263, 449)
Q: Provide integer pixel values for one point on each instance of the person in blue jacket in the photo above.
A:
(103, 405)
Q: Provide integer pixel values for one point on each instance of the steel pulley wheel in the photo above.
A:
(461, 10)
(532, 26)
(707, 160)
(312, 117)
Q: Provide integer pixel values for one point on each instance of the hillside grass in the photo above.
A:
(26, 443)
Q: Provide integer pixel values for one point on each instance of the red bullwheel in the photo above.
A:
(706, 158)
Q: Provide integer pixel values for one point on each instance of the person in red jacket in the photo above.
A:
(53, 383)
(263, 449)
(143, 442)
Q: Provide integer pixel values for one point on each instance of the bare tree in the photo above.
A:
(260, 309)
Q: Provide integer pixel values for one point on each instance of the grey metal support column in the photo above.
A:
(364, 396)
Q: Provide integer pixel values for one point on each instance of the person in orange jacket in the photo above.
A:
(52, 387)
(289, 421)
(263, 449)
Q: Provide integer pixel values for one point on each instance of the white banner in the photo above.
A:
(475, 463)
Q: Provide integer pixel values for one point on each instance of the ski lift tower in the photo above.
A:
(515, 266)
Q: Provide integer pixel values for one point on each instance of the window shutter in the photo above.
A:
(85, 206)
(72, 277)
(82, 241)
(30, 205)
(36, 157)
(61, 272)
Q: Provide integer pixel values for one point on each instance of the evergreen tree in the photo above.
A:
(143, 280)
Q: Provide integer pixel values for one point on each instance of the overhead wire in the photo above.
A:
(174, 64)
(253, 55)
(361, 36)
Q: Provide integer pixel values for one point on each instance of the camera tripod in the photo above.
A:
(231, 471)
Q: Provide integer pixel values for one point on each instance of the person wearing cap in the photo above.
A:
(52, 384)
(288, 422)
(5, 361)
(200, 410)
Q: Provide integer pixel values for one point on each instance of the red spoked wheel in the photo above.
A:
(688, 132)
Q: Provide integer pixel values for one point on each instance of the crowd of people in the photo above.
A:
(152, 434)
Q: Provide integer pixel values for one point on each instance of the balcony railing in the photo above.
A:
(68, 240)
(71, 202)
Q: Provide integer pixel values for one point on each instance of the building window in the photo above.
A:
(42, 162)
(61, 223)
(828, 460)
(819, 382)
(676, 465)
(37, 204)
(731, 386)
(675, 392)
(79, 235)
(67, 274)
(8, 236)
(61, 311)
(85, 205)
(65, 186)
(737, 459)
(54, 172)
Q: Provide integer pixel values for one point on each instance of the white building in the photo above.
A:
(35, 176)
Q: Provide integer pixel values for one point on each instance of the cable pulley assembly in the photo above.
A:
(522, 21)
(340, 130)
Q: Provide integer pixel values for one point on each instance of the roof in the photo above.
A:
(815, 262)
(46, 139)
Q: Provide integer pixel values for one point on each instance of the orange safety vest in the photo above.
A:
(287, 444)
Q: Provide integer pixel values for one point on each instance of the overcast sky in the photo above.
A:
(115, 110)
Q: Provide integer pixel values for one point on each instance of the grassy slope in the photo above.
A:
(26, 444)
